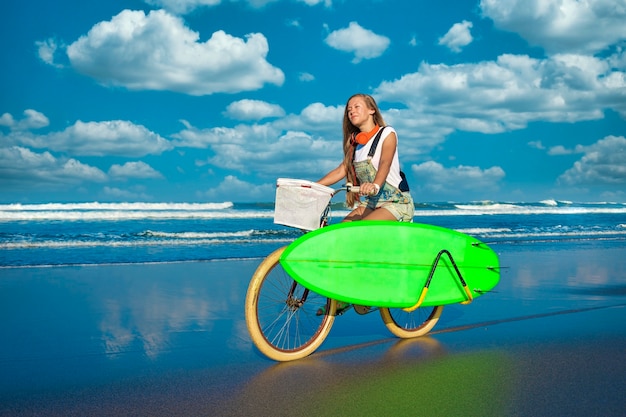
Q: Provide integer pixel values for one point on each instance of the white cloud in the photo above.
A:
(507, 94)
(562, 150)
(113, 138)
(279, 148)
(20, 165)
(134, 170)
(318, 113)
(326, 3)
(559, 150)
(270, 149)
(293, 23)
(579, 26)
(315, 117)
(47, 51)
(603, 163)
(458, 36)
(77, 171)
(291, 152)
(182, 6)
(363, 43)
(32, 120)
(237, 190)
(435, 177)
(192, 137)
(253, 110)
(418, 131)
(306, 77)
(128, 195)
(116, 137)
(158, 52)
(7, 120)
(257, 4)
(187, 6)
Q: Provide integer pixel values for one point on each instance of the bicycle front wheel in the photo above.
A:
(407, 325)
(282, 316)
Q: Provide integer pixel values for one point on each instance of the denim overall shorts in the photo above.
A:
(398, 203)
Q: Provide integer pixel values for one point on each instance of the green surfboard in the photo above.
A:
(388, 264)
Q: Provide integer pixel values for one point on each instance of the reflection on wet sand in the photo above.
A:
(149, 314)
(149, 318)
(407, 379)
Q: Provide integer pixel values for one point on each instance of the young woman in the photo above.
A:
(372, 164)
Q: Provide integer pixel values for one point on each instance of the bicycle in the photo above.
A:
(282, 316)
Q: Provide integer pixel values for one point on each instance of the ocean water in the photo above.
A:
(99, 233)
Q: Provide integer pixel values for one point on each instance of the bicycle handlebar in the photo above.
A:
(352, 188)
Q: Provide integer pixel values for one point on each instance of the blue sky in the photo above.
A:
(212, 100)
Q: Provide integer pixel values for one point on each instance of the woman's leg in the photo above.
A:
(357, 214)
(379, 214)
(364, 213)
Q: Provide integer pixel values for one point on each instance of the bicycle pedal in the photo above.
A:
(362, 309)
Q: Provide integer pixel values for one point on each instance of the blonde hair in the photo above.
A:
(348, 148)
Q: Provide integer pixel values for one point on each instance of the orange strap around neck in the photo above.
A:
(363, 137)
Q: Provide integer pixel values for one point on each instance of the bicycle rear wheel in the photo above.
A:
(407, 325)
(281, 314)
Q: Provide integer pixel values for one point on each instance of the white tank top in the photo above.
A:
(362, 151)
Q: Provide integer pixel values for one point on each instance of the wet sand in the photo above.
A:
(170, 339)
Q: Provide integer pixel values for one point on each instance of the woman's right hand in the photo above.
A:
(369, 189)
(361, 191)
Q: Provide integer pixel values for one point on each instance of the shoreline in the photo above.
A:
(183, 261)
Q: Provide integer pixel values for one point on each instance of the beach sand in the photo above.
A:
(170, 339)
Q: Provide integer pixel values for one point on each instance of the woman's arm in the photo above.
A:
(334, 176)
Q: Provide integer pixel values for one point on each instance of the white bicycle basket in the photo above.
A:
(300, 203)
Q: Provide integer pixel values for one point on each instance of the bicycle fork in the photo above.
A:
(294, 303)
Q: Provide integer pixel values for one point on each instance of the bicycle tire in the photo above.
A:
(414, 324)
(281, 327)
